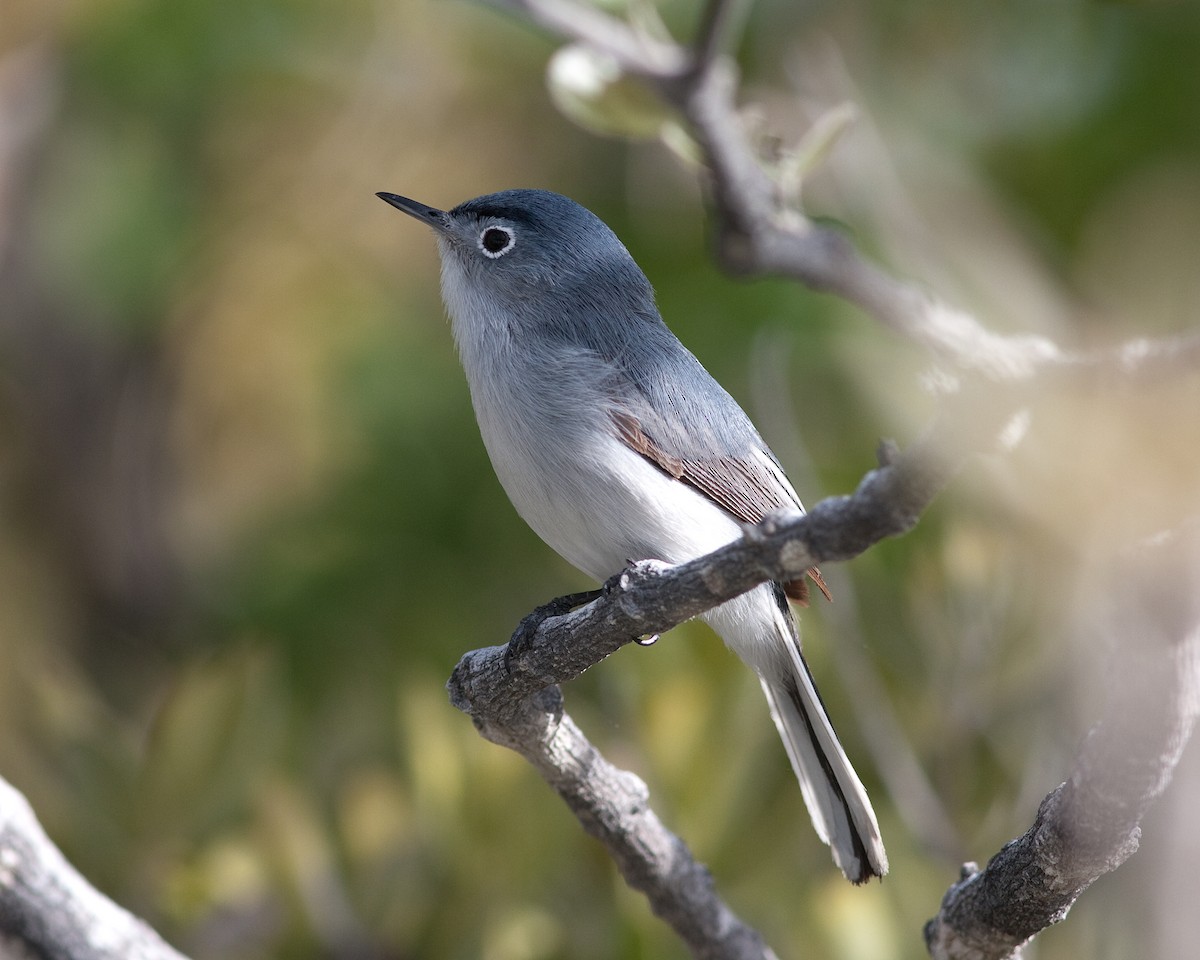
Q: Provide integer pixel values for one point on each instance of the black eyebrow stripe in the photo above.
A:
(495, 211)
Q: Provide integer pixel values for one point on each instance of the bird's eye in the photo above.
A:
(495, 242)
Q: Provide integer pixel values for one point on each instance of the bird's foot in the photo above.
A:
(522, 638)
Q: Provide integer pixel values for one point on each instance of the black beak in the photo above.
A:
(438, 219)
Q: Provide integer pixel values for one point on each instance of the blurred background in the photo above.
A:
(247, 526)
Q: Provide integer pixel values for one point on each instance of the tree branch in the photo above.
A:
(52, 911)
(651, 597)
(757, 234)
(1090, 825)
(612, 805)
(719, 21)
(523, 711)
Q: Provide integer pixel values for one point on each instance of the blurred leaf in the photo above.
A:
(592, 90)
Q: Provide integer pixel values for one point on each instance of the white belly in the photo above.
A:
(601, 505)
(598, 504)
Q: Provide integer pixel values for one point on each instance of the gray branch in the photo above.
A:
(523, 710)
(757, 233)
(1090, 825)
(651, 597)
(49, 910)
(612, 805)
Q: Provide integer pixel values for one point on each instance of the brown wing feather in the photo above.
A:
(737, 486)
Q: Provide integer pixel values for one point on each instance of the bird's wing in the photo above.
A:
(746, 487)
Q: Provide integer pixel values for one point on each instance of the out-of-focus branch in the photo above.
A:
(48, 910)
(758, 233)
(1089, 825)
(634, 50)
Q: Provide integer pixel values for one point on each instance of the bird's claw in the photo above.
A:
(522, 638)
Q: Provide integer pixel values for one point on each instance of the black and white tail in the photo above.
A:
(836, 800)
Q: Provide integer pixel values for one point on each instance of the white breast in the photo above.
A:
(544, 419)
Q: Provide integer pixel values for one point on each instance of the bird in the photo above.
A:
(614, 444)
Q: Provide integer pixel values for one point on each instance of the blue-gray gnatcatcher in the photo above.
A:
(615, 444)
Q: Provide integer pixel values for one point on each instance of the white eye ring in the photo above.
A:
(488, 239)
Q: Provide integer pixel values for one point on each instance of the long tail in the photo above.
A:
(836, 800)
